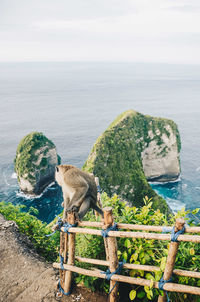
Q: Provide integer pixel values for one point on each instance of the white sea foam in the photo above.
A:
(198, 169)
(30, 196)
(14, 175)
(175, 204)
(184, 186)
(164, 182)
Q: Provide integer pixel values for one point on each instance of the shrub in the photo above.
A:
(35, 229)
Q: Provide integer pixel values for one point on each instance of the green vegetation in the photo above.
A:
(116, 156)
(138, 251)
(27, 155)
(33, 228)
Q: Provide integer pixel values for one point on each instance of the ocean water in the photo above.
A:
(73, 103)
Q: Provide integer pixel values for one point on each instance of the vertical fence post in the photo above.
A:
(98, 193)
(112, 253)
(63, 250)
(173, 249)
(101, 206)
(71, 253)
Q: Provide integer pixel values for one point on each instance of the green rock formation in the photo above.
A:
(120, 156)
(35, 162)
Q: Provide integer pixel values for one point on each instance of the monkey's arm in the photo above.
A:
(80, 187)
(78, 198)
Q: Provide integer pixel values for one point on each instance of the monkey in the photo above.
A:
(79, 190)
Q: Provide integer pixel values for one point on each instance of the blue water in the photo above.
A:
(73, 103)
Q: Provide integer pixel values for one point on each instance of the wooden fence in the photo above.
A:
(67, 251)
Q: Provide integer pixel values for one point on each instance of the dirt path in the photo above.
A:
(25, 276)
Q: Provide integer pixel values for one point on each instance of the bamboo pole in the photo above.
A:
(98, 193)
(112, 253)
(137, 227)
(143, 235)
(71, 253)
(171, 258)
(146, 268)
(172, 287)
(61, 272)
(97, 214)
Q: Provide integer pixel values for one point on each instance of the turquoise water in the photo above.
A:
(73, 103)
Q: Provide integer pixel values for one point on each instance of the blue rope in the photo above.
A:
(59, 223)
(67, 226)
(117, 271)
(174, 235)
(61, 261)
(62, 290)
(62, 267)
(161, 284)
(98, 189)
(104, 233)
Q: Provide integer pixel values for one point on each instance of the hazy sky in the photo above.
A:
(100, 30)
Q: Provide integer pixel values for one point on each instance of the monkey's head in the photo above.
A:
(60, 171)
(58, 177)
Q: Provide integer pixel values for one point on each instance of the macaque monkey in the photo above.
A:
(79, 190)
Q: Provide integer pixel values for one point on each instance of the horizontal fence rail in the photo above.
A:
(172, 287)
(142, 235)
(67, 246)
(137, 227)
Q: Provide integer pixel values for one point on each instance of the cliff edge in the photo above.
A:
(25, 276)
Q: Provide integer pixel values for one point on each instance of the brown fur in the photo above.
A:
(79, 189)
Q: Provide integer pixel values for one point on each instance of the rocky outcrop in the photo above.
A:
(134, 148)
(35, 162)
(161, 162)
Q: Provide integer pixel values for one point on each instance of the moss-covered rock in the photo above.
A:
(120, 156)
(35, 162)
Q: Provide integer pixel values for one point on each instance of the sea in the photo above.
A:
(72, 103)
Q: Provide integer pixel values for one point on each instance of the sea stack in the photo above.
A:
(136, 148)
(35, 162)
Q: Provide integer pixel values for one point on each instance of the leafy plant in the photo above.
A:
(35, 229)
(141, 251)
(137, 251)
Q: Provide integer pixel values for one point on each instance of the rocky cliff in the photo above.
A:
(134, 148)
(35, 162)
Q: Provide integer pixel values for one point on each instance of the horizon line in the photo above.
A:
(98, 61)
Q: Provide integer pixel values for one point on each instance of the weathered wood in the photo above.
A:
(143, 235)
(172, 287)
(146, 268)
(98, 193)
(71, 254)
(137, 227)
(112, 253)
(184, 273)
(171, 258)
(61, 272)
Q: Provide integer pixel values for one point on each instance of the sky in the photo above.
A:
(165, 31)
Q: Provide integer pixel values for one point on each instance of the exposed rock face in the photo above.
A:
(133, 148)
(35, 163)
(161, 162)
